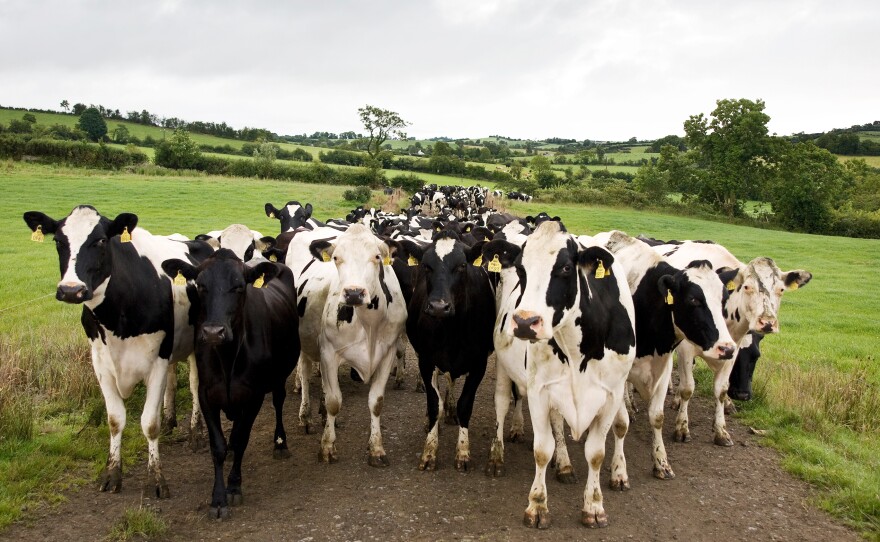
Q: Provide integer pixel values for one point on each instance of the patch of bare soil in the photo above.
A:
(737, 493)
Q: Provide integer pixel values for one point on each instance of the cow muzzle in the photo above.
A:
(528, 325)
(724, 351)
(73, 293)
(439, 308)
(214, 334)
(354, 297)
(766, 325)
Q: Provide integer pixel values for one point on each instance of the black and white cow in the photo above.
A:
(243, 241)
(360, 321)
(246, 346)
(580, 327)
(293, 215)
(136, 321)
(753, 305)
(744, 367)
(449, 325)
(671, 305)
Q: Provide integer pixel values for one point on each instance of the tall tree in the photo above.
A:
(380, 124)
(731, 149)
(65, 105)
(92, 123)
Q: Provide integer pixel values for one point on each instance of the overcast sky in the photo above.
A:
(582, 69)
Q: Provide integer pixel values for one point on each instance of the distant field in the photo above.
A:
(873, 161)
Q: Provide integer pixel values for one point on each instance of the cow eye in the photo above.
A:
(695, 302)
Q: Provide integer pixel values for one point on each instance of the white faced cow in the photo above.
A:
(361, 320)
(580, 327)
(135, 319)
(671, 305)
(753, 305)
(246, 243)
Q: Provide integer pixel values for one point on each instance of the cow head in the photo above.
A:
(221, 284)
(359, 257)
(83, 242)
(236, 237)
(698, 294)
(443, 270)
(292, 216)
(740, 381)
(758, 293)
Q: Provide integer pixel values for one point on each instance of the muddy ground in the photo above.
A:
(719, 494)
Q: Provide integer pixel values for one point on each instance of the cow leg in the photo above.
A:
(111, 476)
(722, 369)
(503, 388)
(280, 450)
(429, 378)
(297, 376)
(400, 365)
(537, 513)
(303, 372)
(619, 475)
(686, 388)
(593, 514)
(219, 505)
(332, 405)
(196, 422)
(564, 471)
(655, 392)
(238, 441)
(377, 456)
(517, 424)
(169, 411)
(151, 421)
(450, 415)
(464, 409)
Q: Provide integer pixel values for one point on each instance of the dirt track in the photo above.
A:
(719, 494)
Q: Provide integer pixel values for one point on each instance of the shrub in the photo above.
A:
(410, 183)
(361, 194)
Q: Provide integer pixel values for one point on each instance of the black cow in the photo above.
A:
(744, 367)
(135, 320)
(450, 320)
(247, 344)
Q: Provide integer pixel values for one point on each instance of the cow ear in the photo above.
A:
(122, 222)
(264, 243)
(530, 219)
(392, 245)
(506, 252)
(795, 279)
(474, 252)
(731, 278)
(267, 270)
(467, 227)
(437, 225)
(481, 233)
(272, 212)
(35, 219)
(590, 257)
(666, 285)
(307, 210)
(322, 249)
(213, 241)
(173, 267)
(412, 249)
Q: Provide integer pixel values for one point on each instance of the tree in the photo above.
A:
(380, 124)
(731, 149)
(92, 123)
(121, 134)
(65, 105)
(264, 157)
(542, 169)
(29, 117)
(652, 182)
(178, 152)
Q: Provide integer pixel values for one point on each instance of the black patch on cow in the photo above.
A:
(736, 315)
(671, 252)
(302, 287)
(91, 325)
(690, 309)
(306, 267)
(654, 327)
(374, 303)
(563, 285)
(301, 307)
(557, 351)
(344, 313)
(385, 290)
(604, 320)
(503, 321)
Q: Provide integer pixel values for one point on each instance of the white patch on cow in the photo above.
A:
(238, 238)
(77, 227)
(444, 248)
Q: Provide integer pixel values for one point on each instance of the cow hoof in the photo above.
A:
(450, 418)
(515, 435)
(676, 403)
(664, 473)
(428, 464)
(463, 464)
(566, 475)
(110, 480)
(328, 456)
(307, 428)
(197, 442)
(729, 409)
(723, 440)
(420, 386)
(398, 384)
(218, 512)
(235, 498)
(681, 436)
(494, 469)
(280, 453)
(537, 518)
(162, 491)
(168, 426)
(619, 484)
(378, 461)
(594, 520)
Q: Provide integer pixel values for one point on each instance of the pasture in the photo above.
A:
(816, 384)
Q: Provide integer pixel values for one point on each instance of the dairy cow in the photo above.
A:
(293, 215)
(579, 323)
(136, 321)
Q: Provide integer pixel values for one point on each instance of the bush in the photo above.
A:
(855, 224)
(345, 158)
(410, 183)
(361, 194)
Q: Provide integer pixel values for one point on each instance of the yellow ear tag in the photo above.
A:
(179, 280)
(259, 282)
(793, 286)
(608, 272)
(125, 237)
(467, 230)
(479, 261)
(669, 297)
(273, 258)
(272, 214)
(731, 286)
(325, 257)
(412, 260)
(38, 235)
(495, 265)
(600, 270)
(436, 229)
(386, 260)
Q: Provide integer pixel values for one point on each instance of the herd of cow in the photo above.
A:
(572, 319)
